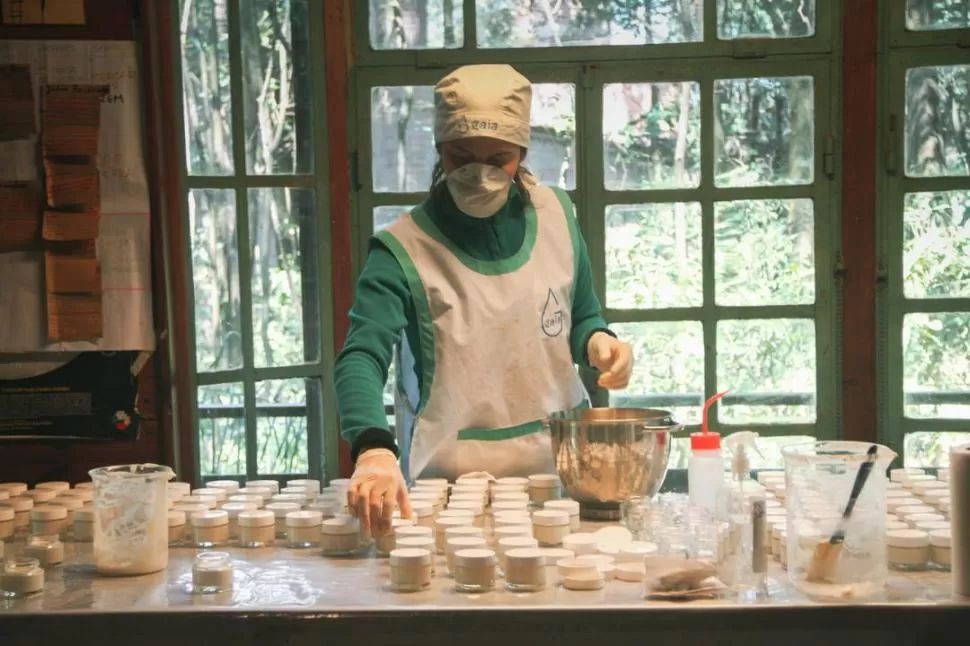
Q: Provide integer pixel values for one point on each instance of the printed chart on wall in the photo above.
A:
(119, 247)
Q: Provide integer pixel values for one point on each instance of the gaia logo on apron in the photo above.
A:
(551, 317)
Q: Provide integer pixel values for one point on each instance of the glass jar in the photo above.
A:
(21, 577)
(47, 549)
(211, 573)
(229, 486)
(908, 549)
(48, 519)
(177, 529)
(233, 509)
(209, 502)
(280, 510)
(571, 507)
(210, 528)
(458, 543)
(83, 531)
(474, 570)
(71, 505)
(422, 513)
(21, 512)
(385, 544)
(40, 496)
(477, 509)
(257, 528)
(441, 526)
(544, 487)
(503, 545)
(341, 536)
(253, 499)
(525, 570)
(421, 542)
(6, 523)
(827, 471)
(312, 486)
(221, 495)
(940, 545)
(410, 569)
(550, 526)
(303, 528)
(273, 485)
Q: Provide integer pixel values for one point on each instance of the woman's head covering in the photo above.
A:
(483, 101)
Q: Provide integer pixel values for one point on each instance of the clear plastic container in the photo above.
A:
(22, 507)
(212, 573)
(525, 569)
(826, 471)
(303, 528)
(474, 570)
(257, 528)
(341, 536)
(210, 528)
(410, 569)
(280, 510)
(47, 549)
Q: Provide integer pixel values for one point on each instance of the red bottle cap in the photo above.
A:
(705, 441)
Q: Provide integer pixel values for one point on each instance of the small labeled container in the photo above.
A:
(233, 509)
(422, 513)
(458, 543)
(257, 528)
(211, 573)
(303, 528)
(13, 488)
(410, 569)
(22, 507)
(54, 485)
(474, 570)
(221, 495)
(569, 506)
(40, 496)
(544, 487)
(341, 536)
(908, 549)
(385, 544)
(21, 577)
(229, 486)
(940, 554)
(47, 549)
(442, 524)
(525, 570)
(83, 530)
(210, 528)
(7, 529)
(48, 519)
(280, 510)
(550, 526)
(178, 531)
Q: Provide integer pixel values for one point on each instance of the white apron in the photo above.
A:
(494, 344)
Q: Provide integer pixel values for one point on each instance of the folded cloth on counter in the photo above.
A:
(669, 577)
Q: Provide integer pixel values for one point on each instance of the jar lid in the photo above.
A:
(610, 549)
(48, 512)
(209, 501)
(516, 481)
(176, 518)
(400, 522)
(893, 504)
(577, 566)
(441, 483)
(256, 518)
(85, 495)
(474, 557)
(926, 485)
(470, 505)
(226, 485)
(263, 492)
(410, 556)
(15, 488)
(453, 521)
(40, 495)
(18, 503)
(940, 538)
(513, 542)
(299, 498)
(512, 517)
(569, 506)
(913, 519)
(281, 509)
(407, 531)
(898, 493)
(426, 494)
(506, 497)
(308, 518)
(329, 508)
(423, 542)
(553, 555)
(907, 538)
(579, 542)
(896, 525)
(235, 508)
(525, 557)
(504, 531)
(544, 481)
(911, 479)
(272, 484)
(243, 497)
(216, 492)
(933, 525)
(309, 483)
(908, 510)
(189, 508)
(210, 518)
(511, 505)
(56, 485)
(636, 551)
(340, 482)
(181, 487)
(630, 571)
(603, 561)
(500, 489)
(456, 543)
(6, 513)
(470, 485)
(342, 525)
(422, 509)
(67, 503)
(897, 475)
(463, 530)
(551, 517)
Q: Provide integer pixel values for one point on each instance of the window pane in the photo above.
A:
(513, 23)
(653, 256)
(651, 136)
(402, 136)
(924, 15)
(215, 279)
(222, 430)
(276, 86)
(385, 215)
(937, 102)
(416, 24)
(931, 449)
(282, 231)
(774, 19)
(204, 40)
(668, 368)
(936, 364)
(770, 447)
(770, 363)
(764, 252)
(281, 424)
(765, 131)
(936, 244)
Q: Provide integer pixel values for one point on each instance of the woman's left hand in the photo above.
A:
(612, 357)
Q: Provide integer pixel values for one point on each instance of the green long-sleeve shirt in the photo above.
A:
(383, 307)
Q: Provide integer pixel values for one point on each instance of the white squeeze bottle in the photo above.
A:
(705, 465)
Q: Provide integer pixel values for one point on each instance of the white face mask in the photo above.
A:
(480, 190)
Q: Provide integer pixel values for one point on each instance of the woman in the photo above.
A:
(486, 290)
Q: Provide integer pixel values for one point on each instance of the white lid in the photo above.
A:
(470, 486)
(309, 518)
(456, 543)
(452, 521)
(423, 542)
(513, 542)
(281, 509)
(910, 479)
(894, 503)
(426, 494)
(48, 512)
(932, 525)
(189, 508)
(511, 496)
(551, 517)
(898, 493)
(525, 556)
(272, 484)
(243, 497)
(613, 534)
(407, 531)
(577, 566)
(309, 483)
(610, 549)
(940, 538)
(579, 541)
(544, 481)
(421, 508)
(475, 507)
(18, 503)
(512, 517)
(340, 483)
(477, 498)
(603, 561)
(87, 495)
(512, 505)
(439, 483)
(181, 487)
(40, 495)
(15, 488)
(6, 513)
(635, 551)
(475, 476)
(907, 538)
(570, 506)
(907, 510)
(919, 488)
(219, 494)
(895, 525)
(913, 519)
(631, 571)
(176, 518)
(413, 556)
(514, 481)
(897, 475)
(256, 518)
(227, 485)
(262, 492)
(474, 557)
(512, 530)
(299, 498)
(400, 522)
(56, 485)
(553, 555)
(469, 530)
(328, 508)
(341, 525)
(67, 503)
(210, 518)
(208, 501)
(234, 508)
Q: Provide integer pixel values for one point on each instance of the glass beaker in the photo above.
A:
(819, 477)
(131, 519)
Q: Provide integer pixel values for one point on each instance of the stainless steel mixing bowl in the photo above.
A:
(606, 455)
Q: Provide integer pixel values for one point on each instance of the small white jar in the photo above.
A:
(507, 531)
(54, 485)
(520, 497)
(512, 481)
(210, 528)
(327, 508)
(410, 569)
(899, 475)
(525, 570)
(178, 490)
(21, 577)
(544, 487)
(189, 508)
(502, 518)
(442, 524)
(263, 492)
(385, 544)
(303, 528)
(581, 543)
(294, 490)
(229, 486)
(211, 573)
(579, 574)
(553, 555)
(422, 513)
(933, 497)
(259, 501)
(40, 496)
(635, 552)
(48, 550)
(312, 486)
(933, 526)
(412, 531)
(83, 530)
(221, 495)
(475, 496)
(341, 536)
(908, 549)
(299, 498)
(569, 506)
(463, 530)
(894, 504)
(210, 502)
(940, 546)
(48, 519)
(474, 570)
(178, 531)
(279, 511)
(273, 485)
(233, 509)
(458, 543)
(14, 488)
(550, 526)
(503, 545)
(477, 509)
(468, 514)
(257, 528)
(7, 529)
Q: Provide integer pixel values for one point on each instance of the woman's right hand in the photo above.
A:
(376, 488)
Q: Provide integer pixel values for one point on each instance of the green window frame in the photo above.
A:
(589, 69)
(920, 418)
(238, 414)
